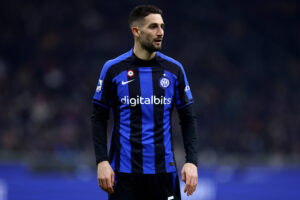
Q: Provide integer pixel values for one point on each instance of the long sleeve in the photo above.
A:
(99, 119)
(188, 124)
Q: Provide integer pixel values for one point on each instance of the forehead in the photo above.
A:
(153, 18)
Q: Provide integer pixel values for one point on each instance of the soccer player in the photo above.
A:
(142, 86)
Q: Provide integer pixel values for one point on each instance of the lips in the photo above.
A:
(158, 41)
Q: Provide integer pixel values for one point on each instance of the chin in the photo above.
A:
(157, 48)
(152, 48)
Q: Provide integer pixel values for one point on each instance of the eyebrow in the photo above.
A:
(162, 24)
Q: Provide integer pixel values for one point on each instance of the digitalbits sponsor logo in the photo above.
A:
(164, 82)
(141, 100)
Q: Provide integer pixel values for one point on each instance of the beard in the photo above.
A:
(148, 46)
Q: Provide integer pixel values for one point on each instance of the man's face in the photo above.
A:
(152, 32)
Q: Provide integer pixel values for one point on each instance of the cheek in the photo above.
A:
(146, 38)
(147, 35)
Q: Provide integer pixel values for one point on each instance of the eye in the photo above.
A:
(163, 26)
(152, 26)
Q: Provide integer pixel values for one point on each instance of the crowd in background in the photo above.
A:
(242, 59)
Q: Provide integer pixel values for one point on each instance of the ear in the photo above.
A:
(135, 31)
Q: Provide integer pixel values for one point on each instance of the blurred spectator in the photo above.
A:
(242, 59)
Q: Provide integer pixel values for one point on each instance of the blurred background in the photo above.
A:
(242, 59)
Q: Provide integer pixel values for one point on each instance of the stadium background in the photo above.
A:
(243, 63)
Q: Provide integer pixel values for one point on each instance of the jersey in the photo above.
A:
(142, 95)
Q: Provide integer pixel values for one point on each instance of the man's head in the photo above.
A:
(147, 27)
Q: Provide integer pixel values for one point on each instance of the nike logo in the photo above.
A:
(126, 82)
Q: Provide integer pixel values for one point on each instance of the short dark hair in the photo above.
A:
(139, 12)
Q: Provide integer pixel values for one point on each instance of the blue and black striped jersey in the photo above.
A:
(142, 95)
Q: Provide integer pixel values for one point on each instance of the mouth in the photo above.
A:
(158, 41)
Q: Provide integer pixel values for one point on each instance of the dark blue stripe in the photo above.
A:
(147, 121)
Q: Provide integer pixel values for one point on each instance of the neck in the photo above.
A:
(142, 53)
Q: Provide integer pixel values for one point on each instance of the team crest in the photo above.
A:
(164, 82)
(130, 73)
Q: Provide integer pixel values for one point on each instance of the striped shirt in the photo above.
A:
(142, 95)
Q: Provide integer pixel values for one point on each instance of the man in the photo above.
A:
(142, 86)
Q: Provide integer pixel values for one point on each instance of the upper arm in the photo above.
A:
(183, 91)
(103, 94)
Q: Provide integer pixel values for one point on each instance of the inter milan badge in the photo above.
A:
(130, 73)
(164, 82)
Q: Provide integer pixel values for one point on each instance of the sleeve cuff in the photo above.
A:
(99, 160)
(98, 103)
(193, 162)
(184, 105)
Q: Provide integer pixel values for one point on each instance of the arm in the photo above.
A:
(99, 119)
(99, 127)
(188, 124)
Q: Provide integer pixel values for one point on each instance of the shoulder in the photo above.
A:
(171, 62)
(115, 61)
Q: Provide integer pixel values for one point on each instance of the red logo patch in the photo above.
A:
(130, 73)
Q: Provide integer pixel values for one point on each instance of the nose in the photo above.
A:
(160, 31)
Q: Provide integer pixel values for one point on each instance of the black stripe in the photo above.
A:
(115, 143)
(158, 122)
(136, 124)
